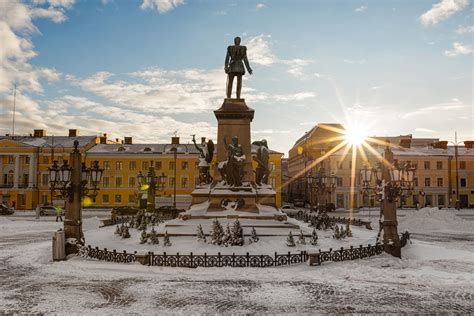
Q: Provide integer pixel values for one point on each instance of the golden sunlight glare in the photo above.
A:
(355, 135)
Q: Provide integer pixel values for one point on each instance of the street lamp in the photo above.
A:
(391, 181)
(154, 182)
(324, 184)
(74, 182)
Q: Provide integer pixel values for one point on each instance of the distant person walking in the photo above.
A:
(38, 211)
(59, 213)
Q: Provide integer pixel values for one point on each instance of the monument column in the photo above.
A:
(234, 118)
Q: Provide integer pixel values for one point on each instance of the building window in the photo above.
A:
(118, 198)
(27, 159)
(118, 165)
(11, 159)
(427, 182)
(439, 165)
(118, 182)
(158, 165)
(145, 165)
(339, 181)
(462, 165)
(132, 165)
(184, 165)
(439, 182)
(184, 182)
(426, 165)
(132, 198)
(105, 182)
(105, 198)
(171, 182)
(46, 160)
(44, 179)
(132, 181)
(463, 182)
(106, 165)
(172, 165)
(415, 182)
(441, 200)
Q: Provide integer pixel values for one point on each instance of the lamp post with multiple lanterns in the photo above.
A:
(154, 182)
(391, 180)
(324, 185)
(74, 182)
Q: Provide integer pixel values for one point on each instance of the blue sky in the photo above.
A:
(151, 67)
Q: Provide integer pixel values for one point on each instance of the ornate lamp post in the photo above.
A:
(324, 184)
(310, 183)
(390, 184)
(154, 182)
(74, 182)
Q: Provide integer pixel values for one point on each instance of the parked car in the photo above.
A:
(5, 210)
(168, 211)
(124, 211)
(48, 210)
(291, 211)
(298, 202)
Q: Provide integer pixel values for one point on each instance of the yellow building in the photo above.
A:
(435, 176)
(123, 162)
(24, 161)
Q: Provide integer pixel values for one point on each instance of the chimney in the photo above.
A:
(175, 140)
(128, 140)
(405, 143)
(442, 144)
(203, 140)
(73, 133)
(39, 133)
(469, 144)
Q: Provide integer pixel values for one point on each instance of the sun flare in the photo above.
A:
(355, 135)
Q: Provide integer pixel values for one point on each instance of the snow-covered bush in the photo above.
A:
(290, 241)
(314, 238)
(301, 239)
(253, 236)
(237, 236)
(153, 237)
(166, 240)
(216, 233)
(200, 234)
(125, 232)
(227, 237)
(144, 237)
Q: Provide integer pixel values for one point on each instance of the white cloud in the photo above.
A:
(162, 6)
(260, 52)
(435, 110)
(361, 9)
(354, 61)
(424, 130)
(260, 6)
(459, 49)
(465, 29)
(16, 49)
(442, 10)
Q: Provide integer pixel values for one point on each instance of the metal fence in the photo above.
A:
(107, 255)
(219, 260)
(351, 253)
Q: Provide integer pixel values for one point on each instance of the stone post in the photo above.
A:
(391, 240)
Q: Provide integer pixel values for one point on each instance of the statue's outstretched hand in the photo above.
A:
(226, 69)
(250, 71)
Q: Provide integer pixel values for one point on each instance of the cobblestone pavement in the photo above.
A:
(22, 290)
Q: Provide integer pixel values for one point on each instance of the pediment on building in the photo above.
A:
(9, 143)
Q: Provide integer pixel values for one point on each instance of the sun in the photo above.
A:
(355, 135)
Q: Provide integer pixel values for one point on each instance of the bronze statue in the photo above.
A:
(235, 67)
(232, 170)
(206, 152)
(263, 154)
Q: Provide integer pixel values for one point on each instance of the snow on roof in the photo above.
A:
(151, 149)
(48, 141)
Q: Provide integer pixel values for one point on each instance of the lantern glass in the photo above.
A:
(85, 173)
(410, 174)
(65, 173)
(150, 177)
(140, 179)
(396, 174)
(310, 180)
(53, 174)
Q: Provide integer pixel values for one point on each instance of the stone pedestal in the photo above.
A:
(234, 117)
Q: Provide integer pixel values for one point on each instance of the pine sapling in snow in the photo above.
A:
(118, 230)
(200, 234)
(227, 237)
(166, 240)
(143, 237)
(125, 232)
(348, 230)
(143, 225)
(314, 238)
(301, 239)
(237, 234)
(342, 232)
(290, 241)
(336, 234)
(154, 236)
(216, 233)
(253, 236)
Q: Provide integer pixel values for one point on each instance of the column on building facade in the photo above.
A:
(16, 175)
(1, 169)
(32, 172)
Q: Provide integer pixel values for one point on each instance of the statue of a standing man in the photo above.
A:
(235, 67)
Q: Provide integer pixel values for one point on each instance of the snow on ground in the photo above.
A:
(432, 277)
(434, 220)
